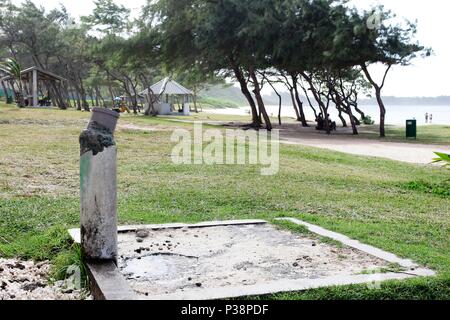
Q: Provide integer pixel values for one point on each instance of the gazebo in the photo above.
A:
(163, 90)
(34, 79)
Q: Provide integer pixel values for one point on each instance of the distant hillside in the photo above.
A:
(231, 97)
(223, 97)
(413, 101)
(286, 99)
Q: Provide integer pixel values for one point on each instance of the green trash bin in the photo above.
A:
(9, 99)
(411, 129)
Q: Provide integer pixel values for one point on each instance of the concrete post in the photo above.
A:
(35, 88)
(186, 107)
(98, 187)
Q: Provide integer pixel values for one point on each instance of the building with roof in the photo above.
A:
(36, 82)
(168, 93)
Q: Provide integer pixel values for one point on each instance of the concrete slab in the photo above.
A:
(216, 260)
(75, 233)
(387, 256)
(280, 286)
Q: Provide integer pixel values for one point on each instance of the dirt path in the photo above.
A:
(410, 153)
(342, 141)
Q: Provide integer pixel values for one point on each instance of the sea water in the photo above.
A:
(395, 114)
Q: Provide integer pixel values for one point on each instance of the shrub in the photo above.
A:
(444, 158)
(367, 120)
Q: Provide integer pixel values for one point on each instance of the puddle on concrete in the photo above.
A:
(155, 266)
(171, 261)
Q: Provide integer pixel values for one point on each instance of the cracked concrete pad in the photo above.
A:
(229, 259)
(233, 260)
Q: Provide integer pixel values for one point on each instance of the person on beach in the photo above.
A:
(431, 118)
(426, 117)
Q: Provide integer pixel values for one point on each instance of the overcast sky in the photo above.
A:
(427, 77)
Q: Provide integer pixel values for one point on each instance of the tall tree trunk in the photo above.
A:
(279, 99)
(21, 96)
(59, 95)
(323, 108)
(64, 89)
(259, 100)
(194, 98)
(78, 100)
(132, 94)
(382, 112)
(76, 91)
(344, 106)
(309, 102)
(294, 104)
(113, 97)
(195, 102)
(344, 123)
(352, 120)
(150, 97)
(84, 102)
(357, 121)
(379, 98)
(99, 98)
(91, 93)
(246, 92)
(357, 109)
(299, 102)
(347, 108)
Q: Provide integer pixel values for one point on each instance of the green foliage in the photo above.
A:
(108, 17)
(72, 257)
(302, 230)
(367, 120)
(443, 157)
(440, 189)
(200, 43)
(413, 289)
(12, 67)
(38, 246)
(319, 40)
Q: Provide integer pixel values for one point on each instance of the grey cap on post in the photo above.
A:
(105, 117)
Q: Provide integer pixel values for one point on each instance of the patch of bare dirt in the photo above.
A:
(342, 140)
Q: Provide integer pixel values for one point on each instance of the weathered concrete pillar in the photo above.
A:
(98, 187)
(35, 89)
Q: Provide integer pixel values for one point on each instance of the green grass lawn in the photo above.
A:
(398, 207)
(429, 134)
